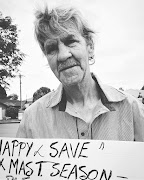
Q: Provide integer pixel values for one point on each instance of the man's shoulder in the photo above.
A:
(134, 101)
(117, 94)
(41, 102)
(112, 94)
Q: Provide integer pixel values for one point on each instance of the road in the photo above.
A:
(8, 128)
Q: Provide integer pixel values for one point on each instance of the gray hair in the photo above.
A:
(48, 24)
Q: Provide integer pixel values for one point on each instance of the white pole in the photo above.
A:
(20, 91)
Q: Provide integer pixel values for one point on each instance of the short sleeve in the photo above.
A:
(22, 130)
(138, 114)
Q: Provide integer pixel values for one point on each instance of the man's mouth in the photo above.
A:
(67, 65)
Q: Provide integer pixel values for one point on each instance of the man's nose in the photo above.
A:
(64, 52)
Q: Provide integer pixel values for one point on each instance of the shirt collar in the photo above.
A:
(108, 95)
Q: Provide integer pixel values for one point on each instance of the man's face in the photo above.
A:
(68, 56)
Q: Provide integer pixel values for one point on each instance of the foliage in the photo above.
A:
(2, 93)
(12, 112)
(40, 92)
(142, 88)
(13, 97)
(10, 56)
(121, 89)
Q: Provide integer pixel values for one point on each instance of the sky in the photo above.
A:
(119, 43)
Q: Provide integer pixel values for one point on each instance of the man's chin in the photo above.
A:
(71, 76)
(71, 81)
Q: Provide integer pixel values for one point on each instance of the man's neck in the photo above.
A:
(82, 93)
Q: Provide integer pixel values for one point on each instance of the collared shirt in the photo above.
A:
(118, 116)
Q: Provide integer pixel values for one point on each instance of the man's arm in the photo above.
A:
(138, 114)
(22, 133)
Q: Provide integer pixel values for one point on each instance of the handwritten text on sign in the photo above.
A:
(55, 159)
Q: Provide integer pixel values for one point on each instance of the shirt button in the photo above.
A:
(82, 133)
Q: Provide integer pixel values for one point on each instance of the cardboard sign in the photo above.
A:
(62, 159)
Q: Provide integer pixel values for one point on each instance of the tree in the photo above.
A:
(10, 55)
(40, 92)
(12, 112)
(2, 93)
(13, 97)
(121, 89)
(142, 88)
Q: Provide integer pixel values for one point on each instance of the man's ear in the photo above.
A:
(90, 46)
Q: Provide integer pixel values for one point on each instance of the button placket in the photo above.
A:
(82, 129)
(82, 134)
(87, 132)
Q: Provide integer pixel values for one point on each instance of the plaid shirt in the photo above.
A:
(118, 116)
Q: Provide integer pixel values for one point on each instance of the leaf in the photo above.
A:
(11, 57)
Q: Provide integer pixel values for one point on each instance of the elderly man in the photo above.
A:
(81, 107)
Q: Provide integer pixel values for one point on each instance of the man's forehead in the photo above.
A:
(63, 31)
(62, 37)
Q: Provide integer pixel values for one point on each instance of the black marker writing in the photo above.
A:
(1, 164)
(21, 167)
(68, 150)
(122, 177)
(102, 146)
(83, 148)
(9, 147)
(9, 177)
(40, 166)
(15, 144)
(37, 152)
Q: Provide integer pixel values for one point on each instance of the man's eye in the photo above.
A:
(70, 42)
(51, 49)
